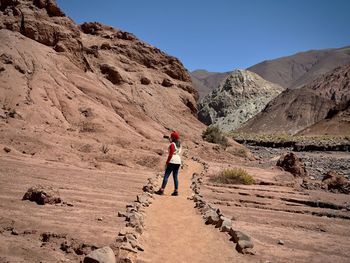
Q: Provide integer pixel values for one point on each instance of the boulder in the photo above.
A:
(52, 9)
(42, 195)
(128, 231)
(238, 235)
(143, 199)
(225, 224)
(101, 255)
(167, 83)
(7, 149)
(336, 182)
(145, 81)
(149, 188)
(111, 73)
(243, 246)
(135, 220)
(211, 217)
(291, 163)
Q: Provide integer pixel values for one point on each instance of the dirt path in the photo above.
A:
(175, 231)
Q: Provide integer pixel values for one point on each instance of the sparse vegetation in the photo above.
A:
(105, 149)
(233, 176)
(12, 113)
(214, 135)
(282, 138)
(240, 152)
(86, 126)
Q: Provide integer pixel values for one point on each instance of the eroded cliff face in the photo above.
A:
(321, 107)
(240, 96)
(85, 86)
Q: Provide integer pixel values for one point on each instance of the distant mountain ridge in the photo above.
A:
(299, 69)
(289, 72)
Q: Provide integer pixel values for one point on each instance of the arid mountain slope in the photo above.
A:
(323, 103)
(82, 109)
(299, 69)
(242, 95)
(204, 81)
(69, 82)
(289, 72)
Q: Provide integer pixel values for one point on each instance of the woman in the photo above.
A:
(173, 163)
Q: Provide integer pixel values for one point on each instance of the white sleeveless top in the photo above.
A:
(176, 159)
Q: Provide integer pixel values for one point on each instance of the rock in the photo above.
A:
(280, 242)
(123, 214)
(145, 81)
(225, 224)
(336, 182)
(106, 46)
(127, 247)
(143, 199)
(7, 149)
(14, 232)
(125, 256)
(60, 47)
(135, 219)
(91, 28)
(111, 74)
(40, 3)
(291, 163)
(167, 83)
(243, 246)
(42, 195)
(52, 9)
(100, 219)
(128, 231)
(101, 255)
(211, 217)
(238, 235)
(149, 188)
(125, 35)
(136, 245)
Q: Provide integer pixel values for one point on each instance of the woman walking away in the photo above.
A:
(173, 163)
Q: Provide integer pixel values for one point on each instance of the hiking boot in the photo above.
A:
(159, 192)
(175, 193)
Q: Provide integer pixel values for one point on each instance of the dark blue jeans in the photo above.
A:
(171, 168)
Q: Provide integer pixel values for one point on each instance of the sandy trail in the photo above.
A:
(175, 231)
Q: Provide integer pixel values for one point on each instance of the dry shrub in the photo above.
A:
(86, 126)
(233, 176)
(240, 152)
(214, 135)
(105, 148)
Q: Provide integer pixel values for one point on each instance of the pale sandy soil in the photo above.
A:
(279, 211)
(94, 194)
(175, 231)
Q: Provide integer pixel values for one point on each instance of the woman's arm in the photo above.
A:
(171, 152)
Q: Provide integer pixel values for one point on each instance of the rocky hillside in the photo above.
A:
(299, 69)
(321, 107)
(204, 81)
(83, 111)
(242, 95)
(67, 90)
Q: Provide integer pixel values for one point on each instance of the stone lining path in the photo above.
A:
(175, 231)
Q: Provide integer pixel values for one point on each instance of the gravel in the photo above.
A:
(317, 164)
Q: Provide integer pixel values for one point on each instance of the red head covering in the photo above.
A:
(175, 135)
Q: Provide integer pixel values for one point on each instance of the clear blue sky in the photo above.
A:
(221, 35)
